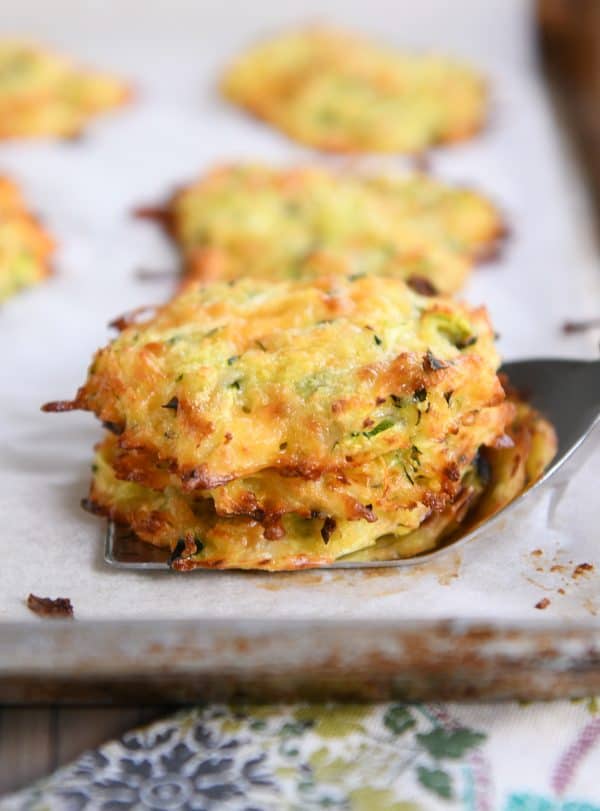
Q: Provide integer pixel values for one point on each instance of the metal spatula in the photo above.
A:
(567, 392)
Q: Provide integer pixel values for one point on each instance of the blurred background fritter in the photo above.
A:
(335, 91)
(44, 94)
(25, 247)
(259, 221)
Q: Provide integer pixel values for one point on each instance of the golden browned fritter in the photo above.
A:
(168, 517)
(401, 481)
(338, 92)
(198, 538)
(307, 378)
(300, 223)
(25, 248)
(280, 425)
(43, 94)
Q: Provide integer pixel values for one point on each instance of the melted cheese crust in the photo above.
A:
(25, 248)
(401, 481)
(43, 94)
(163, 518)
(306, 378)
(335, 91)
(199, 538)
(251, 220)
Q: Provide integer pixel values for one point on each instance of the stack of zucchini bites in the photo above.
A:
(312, 393)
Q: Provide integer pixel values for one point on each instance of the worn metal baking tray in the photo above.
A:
(462, 626)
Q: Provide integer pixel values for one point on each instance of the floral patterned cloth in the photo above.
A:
(384, 757)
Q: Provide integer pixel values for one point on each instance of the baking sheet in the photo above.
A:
(85, 191)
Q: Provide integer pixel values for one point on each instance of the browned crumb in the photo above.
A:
(57, 406)
(421, 285)
(536, 553)
(129, 318)
(156, 213)
(328, 529)
(582, 568)
(47, 607)
(543, 603)
(561, 591)
(570, 327)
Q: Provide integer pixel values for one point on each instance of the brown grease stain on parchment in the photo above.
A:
(390, 579)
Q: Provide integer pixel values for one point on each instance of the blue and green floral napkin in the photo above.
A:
(383, 757)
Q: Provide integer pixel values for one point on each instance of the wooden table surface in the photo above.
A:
(36, 741)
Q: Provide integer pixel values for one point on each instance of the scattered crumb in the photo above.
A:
(543, 603)
(539, 568)
(561, 591)
(558, 568)
(580, 326)
(421, 285)
(582, 568)
(536, 553)
(47, 607)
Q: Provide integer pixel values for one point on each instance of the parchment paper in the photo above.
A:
(85, 191)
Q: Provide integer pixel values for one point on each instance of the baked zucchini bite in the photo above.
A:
(279, 425)
(400, 481)
(268, 223)
(305, 377)
(199, 538)
(25, 248)
(337, 92)
(43, 94)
